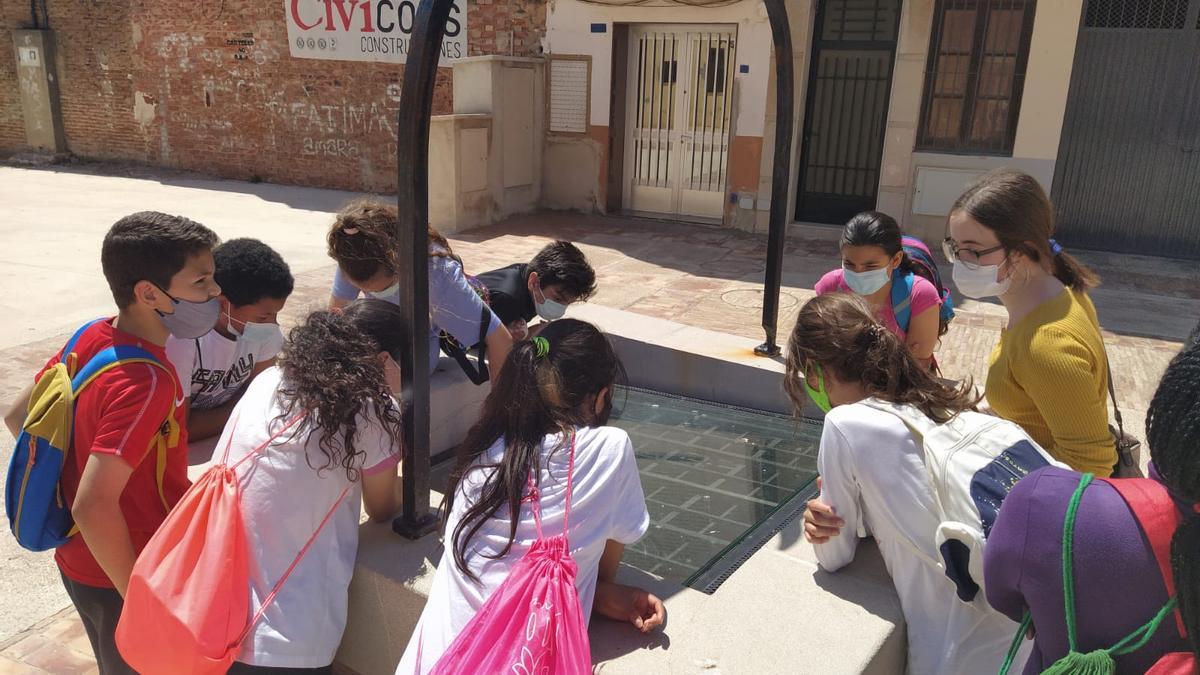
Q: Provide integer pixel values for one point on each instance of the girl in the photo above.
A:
(363, 242)
(1118, 586)
(334, 432)
(1049, 372)
(553, 388)
(873, 475)
(872, 256)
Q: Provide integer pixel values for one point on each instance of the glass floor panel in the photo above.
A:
(719, 481)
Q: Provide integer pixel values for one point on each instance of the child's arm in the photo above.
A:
(14, 417)
(923, 335)
(97, 513)
(840, 490)
(381, 495)
(624, 603)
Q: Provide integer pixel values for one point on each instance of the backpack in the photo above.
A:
(187, 608)
(1157, 516)
(973, 460)
(923, 264)
(532, 623)
(478, 372)
(38, 513)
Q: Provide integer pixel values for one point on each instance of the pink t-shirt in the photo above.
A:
(924, 296)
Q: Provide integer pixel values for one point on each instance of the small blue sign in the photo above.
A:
(744, 68)
(599, 28)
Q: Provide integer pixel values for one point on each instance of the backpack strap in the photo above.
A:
(902, 299)
(70, 346)
(1158, 517)
(477, 374)
(535, 495)
(120, 355)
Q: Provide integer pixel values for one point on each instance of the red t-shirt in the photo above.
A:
(123, 412)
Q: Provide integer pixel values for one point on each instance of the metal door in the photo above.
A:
(681, 104)
(1128, 172)
(854, 47)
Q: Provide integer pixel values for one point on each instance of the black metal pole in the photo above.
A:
(781, 173)
(412, 169)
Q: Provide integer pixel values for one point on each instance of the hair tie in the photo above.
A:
(1055, 247)
(541, 346)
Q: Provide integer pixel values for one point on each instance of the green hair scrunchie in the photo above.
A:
(541, 346)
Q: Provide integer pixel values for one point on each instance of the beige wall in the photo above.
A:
(1039, 124)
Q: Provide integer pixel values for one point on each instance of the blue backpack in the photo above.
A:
(923, 264)
(33, 499)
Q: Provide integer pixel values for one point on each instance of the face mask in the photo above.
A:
(979, 283)
(819, 396)
(866, 283)
(191, 319)
(548, 309)
(387, 293)
(256, 332)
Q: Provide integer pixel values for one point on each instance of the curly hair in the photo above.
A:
(838, 332)
(249, 270)
(332, 372)
(363, 240)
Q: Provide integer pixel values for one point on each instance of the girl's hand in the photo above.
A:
(821, 522)
(627, 603)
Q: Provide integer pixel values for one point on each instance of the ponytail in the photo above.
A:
(838, 332)
(1072, 273)
(546, 386)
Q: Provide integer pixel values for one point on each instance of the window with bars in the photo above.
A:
(975, 75)
(1136, 14)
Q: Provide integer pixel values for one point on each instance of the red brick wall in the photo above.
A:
(12, 124)
(211, 86)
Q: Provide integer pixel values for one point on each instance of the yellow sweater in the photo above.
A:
(1049, 375)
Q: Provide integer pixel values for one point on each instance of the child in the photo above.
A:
(1048, 371)
(1118, 584)
(872, 256)
(335, 382)
(215, 368)
(160, 271)
(554, 387)
(363, 242)
(874, 476)
(556, 277)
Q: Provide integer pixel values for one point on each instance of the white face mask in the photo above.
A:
(387, 293)
(866, 283)
(980, 283)
(550, 310)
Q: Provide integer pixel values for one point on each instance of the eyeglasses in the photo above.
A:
(969, 257)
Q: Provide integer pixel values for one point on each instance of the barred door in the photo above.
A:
(681, 106)
(854, 46)
(1128, 172)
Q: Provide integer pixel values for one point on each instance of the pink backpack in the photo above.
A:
(187, 610)
(533, 624)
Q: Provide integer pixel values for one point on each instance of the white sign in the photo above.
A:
(366, 30)
(29, 56)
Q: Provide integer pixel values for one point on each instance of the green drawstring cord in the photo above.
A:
(1100, 661)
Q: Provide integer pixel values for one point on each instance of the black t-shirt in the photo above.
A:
(510, 298)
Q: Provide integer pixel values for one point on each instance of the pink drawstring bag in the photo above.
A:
(533, 624)
(187, 610)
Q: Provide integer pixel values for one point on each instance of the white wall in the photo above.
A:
(568, 31)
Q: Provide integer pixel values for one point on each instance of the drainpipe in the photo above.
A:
(412, 200)
(781, 174)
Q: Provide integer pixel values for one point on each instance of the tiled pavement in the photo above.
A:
(711, 278)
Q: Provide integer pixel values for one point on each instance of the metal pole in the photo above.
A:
(412, 169)
(781, 174)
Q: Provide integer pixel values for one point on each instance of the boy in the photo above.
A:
(215, 369)
(556, 277)
(160, 271)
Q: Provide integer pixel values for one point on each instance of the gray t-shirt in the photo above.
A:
(454, 306)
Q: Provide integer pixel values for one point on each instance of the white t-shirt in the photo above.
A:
(213, 368)
(874, 476)
(607, 503)
(284, 501)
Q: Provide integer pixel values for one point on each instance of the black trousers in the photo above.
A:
(100, 608)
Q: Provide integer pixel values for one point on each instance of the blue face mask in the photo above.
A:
(866, 283)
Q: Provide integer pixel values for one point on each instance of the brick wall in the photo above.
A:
(12, 124)
(211, 86)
